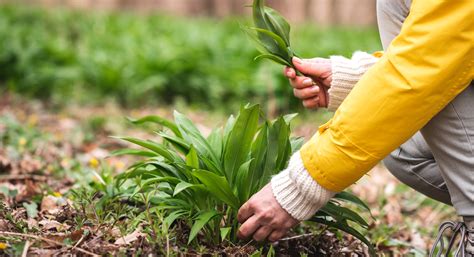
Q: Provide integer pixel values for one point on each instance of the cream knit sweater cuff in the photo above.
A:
(297, 192)
(345, 74)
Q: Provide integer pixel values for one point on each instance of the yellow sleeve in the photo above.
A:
(425, 67)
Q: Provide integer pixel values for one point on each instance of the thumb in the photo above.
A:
(308, 67)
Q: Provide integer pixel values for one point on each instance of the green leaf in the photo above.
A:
(280, 25)
(228, 128)
(271, 252)
(168, 221)
(352, 199)
(177, 142)
(155, 181)
(259, 155)
(259, 21)
(284, 147)
(339, 213)
(218, 187)
(252, 34)
(179, 171)
(215, 140)
(201, 220)
(348, 229)
(274, 58)
(157, 148)
(192, 158)
(183, 185)
(31, 209)
(280, 48)
(296, 144)
(240, 140)
(242, 183)
(289, 117)
(132, 152)
(276, 145)
(257, 253)
(225, 232)
(158, 120)
(193, 136)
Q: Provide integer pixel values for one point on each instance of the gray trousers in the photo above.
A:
(437, 161)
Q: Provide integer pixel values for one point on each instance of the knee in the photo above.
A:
(393, 162)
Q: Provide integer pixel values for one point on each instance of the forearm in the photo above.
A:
(297, 192)
(345, 74)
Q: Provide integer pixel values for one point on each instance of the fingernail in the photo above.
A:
(315, 89)
(288, 73)
(307, 82)
(297, 60)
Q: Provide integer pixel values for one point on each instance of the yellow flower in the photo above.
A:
(32, 120)
(22, 141)
(57, 194)
(50, 168)
(3, 246)
(119, 165)
(93, 162)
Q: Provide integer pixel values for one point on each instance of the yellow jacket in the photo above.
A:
(424, 68)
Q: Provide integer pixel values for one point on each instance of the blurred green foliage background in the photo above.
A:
(65, 56)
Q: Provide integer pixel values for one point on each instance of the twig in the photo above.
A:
(247, 243)
(25, 249)
(78, 242)
(47, 240)
(296, 237)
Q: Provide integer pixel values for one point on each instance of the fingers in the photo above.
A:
(276, 235)
(289, 72)
(248, 228)
(306, 93)
(261, 215)
(301, 82)
(244, 212)
(317, 67)
(311, 103)
(306, 66)
(262, 233)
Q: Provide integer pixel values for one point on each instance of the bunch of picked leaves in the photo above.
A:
(271, 33)
(202, 181)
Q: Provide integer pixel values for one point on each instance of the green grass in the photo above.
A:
(64, 56)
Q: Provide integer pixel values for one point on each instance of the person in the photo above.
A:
(412, 103)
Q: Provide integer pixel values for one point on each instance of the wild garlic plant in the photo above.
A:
(271, 34)
(202, 181)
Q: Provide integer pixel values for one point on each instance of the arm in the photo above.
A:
(336, 76)
(425, 67)
(346, 73)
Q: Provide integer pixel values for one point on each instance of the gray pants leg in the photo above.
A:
(439, 161)
(450, 136)
(414, 165)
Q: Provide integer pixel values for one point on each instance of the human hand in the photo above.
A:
(313, 87)
(262, 217)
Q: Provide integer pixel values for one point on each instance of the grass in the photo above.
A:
(68, 56)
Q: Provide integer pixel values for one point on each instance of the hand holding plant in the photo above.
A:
(312, 89)
(271, 33)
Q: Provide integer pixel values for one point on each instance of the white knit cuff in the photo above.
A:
(345, 74)
(297, 192)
